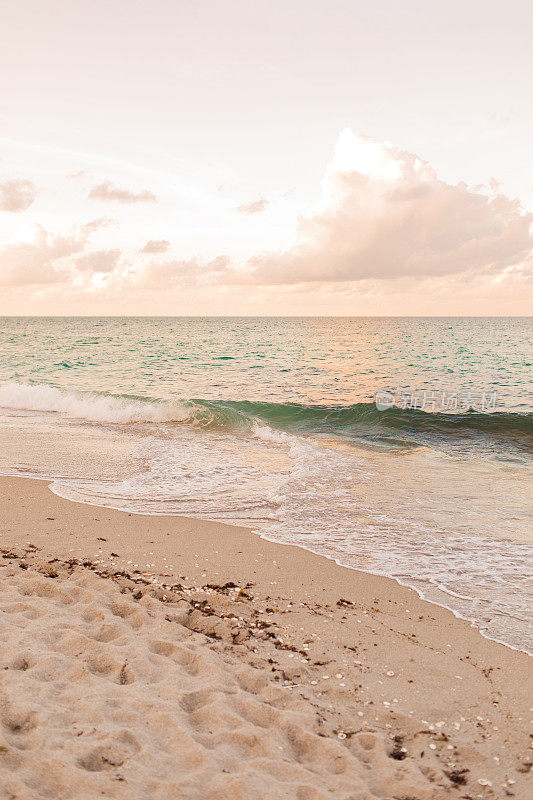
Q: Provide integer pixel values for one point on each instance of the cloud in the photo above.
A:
(26, 263)
(98, 261)
(169, 274)
(386, 214)
(17, 195)
(156, 246)
(386, 227)
(47, 258)
(108, 191)
(255, 207)
(96, 224)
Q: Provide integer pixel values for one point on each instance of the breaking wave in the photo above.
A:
(101, 408)
(358, 422)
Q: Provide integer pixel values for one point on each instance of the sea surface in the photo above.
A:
(273, 423)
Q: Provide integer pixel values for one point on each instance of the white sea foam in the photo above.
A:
(268, 434)
(88, 406)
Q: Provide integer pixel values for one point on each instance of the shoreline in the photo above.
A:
(300, 620)
(257, 532)
(418, 592)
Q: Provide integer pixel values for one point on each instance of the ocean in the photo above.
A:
(399, 446)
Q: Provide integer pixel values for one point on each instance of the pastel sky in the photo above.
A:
(266, 157)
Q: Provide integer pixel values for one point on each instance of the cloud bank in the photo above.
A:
(386, 214)
(109, 192)
(17, 195)
(385, 224)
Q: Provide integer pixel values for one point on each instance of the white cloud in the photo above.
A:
(385, 214)
(17, 195)
(109, 192)
(255, 207)
(168, 274)
(46, 259)
(156, 246)
(98, 261)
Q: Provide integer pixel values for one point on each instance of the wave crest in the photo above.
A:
(88, 406)
(393, 427)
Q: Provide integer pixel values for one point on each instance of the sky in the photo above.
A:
(249, 157)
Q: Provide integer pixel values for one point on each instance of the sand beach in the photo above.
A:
(166, 657)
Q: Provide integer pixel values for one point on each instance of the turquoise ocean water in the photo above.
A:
(273, 423)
